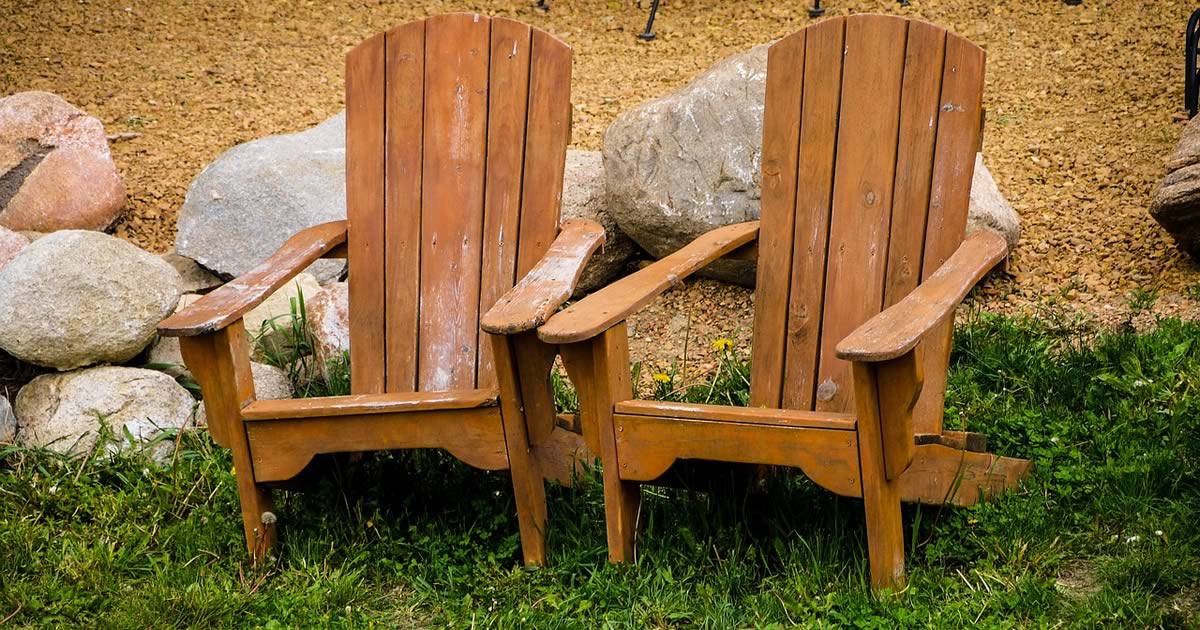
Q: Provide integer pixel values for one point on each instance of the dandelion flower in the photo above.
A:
(721, 344)
(659, 377)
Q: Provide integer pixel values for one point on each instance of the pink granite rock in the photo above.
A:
(10, 243)
(56, 171)
(329, 322)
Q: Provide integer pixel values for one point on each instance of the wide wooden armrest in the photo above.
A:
(228, 303)
(601, 310)
(900, 328)
(550, 283)
(365, 404)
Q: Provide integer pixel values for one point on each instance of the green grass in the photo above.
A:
(1112, 420)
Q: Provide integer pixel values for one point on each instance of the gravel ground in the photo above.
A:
(1082, 107)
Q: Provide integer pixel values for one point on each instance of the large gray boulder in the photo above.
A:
(76, 298)
(70, 412)
(1176, 201)
(681, 165)
(244, 205)
(989, 209)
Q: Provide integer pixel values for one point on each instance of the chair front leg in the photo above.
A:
(881, 495)
(529, 487)
(220, 363)
(599, 369)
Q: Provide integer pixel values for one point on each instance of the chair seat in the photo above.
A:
(367, 404)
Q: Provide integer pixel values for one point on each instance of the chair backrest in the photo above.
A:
(870, 132)
(456, 136)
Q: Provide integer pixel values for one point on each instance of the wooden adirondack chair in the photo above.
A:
(871, 127)
(456, 135)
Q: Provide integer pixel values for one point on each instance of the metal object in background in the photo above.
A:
(1191, 78)
(648, 34)
(816, 10)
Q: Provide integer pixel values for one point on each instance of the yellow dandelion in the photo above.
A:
(722, 344)
(661, 378)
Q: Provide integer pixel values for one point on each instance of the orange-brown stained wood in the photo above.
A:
(601, 367)
(942, 475)
(405, 78)
(534, 360)
(548, 131)
(648, 445)
(781, 133)
(899, 385)
(220, 362)
(366, 404)
(282, 448)
(605, 308)
(919, 103)
(508, 97)
(886, 103)
(960, 116)
(456, 99)
(743, 415)
(862, 193)
(529, 488)
(881, 496)
(822, 80)
(365, 210)
(226, 304)
(961, 440)
(922, 312)
(550, 283)
(419, 101)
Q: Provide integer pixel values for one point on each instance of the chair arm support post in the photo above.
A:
(227, 304)
(549, 284)
(898, 384)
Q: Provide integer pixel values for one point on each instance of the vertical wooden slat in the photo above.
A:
(452, 183)
(365, 174)
(919, 103)
(508, 91)
(405, 69)
(862, 192)
(823, 80)
(954, 163)
(781, 138)
(548, 131)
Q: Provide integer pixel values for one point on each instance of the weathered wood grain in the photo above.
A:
(226, 304)
(608, 306)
